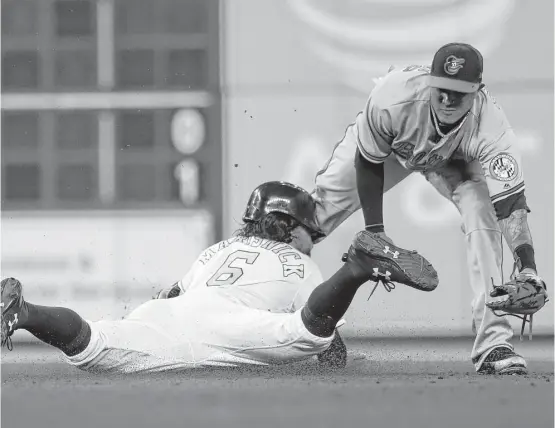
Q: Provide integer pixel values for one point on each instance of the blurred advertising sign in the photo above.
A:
(363, 38)
(289, 95)
(101, 265)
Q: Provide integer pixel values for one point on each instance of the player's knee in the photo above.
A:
(97, 343)
(319, 325)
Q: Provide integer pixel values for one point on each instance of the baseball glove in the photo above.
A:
(525, 294)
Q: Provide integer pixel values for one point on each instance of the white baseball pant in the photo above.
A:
(193, 331)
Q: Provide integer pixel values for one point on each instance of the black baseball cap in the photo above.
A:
(457, 67)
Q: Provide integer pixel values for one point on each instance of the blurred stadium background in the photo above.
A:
(133, 132)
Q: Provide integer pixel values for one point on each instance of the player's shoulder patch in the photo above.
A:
(503, 167)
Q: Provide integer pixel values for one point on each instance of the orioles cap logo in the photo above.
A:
(453, 65)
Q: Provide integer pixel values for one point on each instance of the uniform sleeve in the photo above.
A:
(502, 166)
(375, 134)
(496, 148)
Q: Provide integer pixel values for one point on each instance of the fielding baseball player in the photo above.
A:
(256, 298)
(442, 122)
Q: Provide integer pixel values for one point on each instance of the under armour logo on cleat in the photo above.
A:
(395, 253)
(378, 274)
(12, 323)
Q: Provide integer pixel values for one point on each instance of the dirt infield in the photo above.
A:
(386, 384)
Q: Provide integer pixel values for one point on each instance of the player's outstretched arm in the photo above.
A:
(526, 292)
(501, 162)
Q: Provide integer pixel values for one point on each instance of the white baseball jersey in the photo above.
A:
(254, 272)
(397, 120)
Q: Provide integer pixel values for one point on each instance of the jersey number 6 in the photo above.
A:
(228, 274)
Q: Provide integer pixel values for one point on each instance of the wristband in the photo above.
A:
(525, 257)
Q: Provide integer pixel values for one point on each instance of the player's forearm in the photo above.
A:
(516, 230)
(519, 239)
(370, 183)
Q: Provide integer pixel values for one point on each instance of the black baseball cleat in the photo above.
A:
(388, 263)
(501, 360)
(12, 308)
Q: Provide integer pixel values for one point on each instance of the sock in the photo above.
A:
(59, 327)
(330, 300)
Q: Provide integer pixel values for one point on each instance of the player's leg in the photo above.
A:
(336, 192)
(465, 185)
(124, 346)
(56, 326)
(317, 321)
(367, 259)
(328, 303)
(134, 346)
(229, 334)
(223, 333)
(326, 306)
(492, 351)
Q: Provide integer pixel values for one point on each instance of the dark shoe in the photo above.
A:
(384, 261)
(11, 305)
(501, 360)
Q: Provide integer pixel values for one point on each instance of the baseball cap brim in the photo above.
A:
(453, 84)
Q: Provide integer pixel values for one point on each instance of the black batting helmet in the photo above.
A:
(286, 198)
